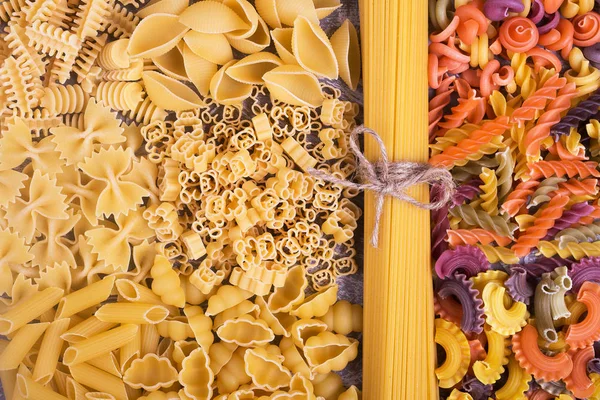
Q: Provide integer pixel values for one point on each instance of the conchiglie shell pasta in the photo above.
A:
(347, 52)
(173, 7)
(317, 304)
(266, 369)
(155, 35)
(212, 17)
(246, 331)
(213, 47)
(169, 93)
(293, 85)
(199, 70)
(226, 90)
(255, 43)
(248, 13)
(251, 69)
(312, 49)
(196, 376)
(171, 64)
(328, 352)
(282, 38)
(289, 10)
(304, 329)
(150, 373)
(325, 7)
(284, 298)
(267, 9)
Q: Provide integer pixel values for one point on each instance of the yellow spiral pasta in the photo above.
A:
(585, 76)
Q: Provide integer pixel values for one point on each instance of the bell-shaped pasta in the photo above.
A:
(155, 35)
(279, 323)
(312, 49)
(325, 7)
(284, 298)
(176, 328)
(259, 40)
(173, 7)
(293, 85)
(282, 38)
(166, 282)
(213, 47)
(304, 329)
(227, 296)
(212, 17)
(251, 69)
(289, 10)
(201, 326)
(226, 90)
(317, 304)
(171, 63)
(198, 70)
(169, 93)
(150, 372)
(195, 376)
(246, 331)
(266, 369)
(328, 352)
(347, 52)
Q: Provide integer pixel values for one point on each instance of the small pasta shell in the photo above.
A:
(155, 35)
(326, 7)
(347, 52)
(169, 93)
(255, 43)
(248, 13)
(226, 90)
(210, 46)
(173, 7)
(251, 69)
(212, 17)
(312, 49)
(267, 9)
(150, 373)
(199, 70)
(282, 38)
(289, 10)
(171, 64)
(293, 85)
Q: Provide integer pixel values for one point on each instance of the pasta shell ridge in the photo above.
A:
(170, 94)
(313, 50)
(172, 7)
(259, 40)
(282, 38)
(317, 304)
(347, 52)
(213, 47)
(199, 70)
(155, 35)
(210, 16)
(226, 90)
(293, 85)
(291, 293)
(171, 64)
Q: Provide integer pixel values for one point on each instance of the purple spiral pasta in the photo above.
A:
(462, 289)
(570, 217)
(592, 53)
(441, 224)
(587, 269)
(469, 260)
(467, 192)
(536, 13)
(518, 285)
(548, 22)
(476, 389)
(578, 114)
(497, 10)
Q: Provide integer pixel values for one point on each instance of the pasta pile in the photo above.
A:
(514, 115)
(160, 234)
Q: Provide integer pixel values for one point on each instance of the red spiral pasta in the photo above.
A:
(587, 29)
(439, 102)
(559, 38)
(472, 23)
(517, 199)
(518, 34)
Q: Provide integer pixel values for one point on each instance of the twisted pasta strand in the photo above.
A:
(483, 220)
(538, 100)
(458, 237)
(546, 169)
(518, 197)
(489, 193)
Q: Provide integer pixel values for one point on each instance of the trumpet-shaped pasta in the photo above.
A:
(251, 69)
(21, 343)
(155, 35)
(50, 351)
(150, 373)
(99, 344)
(212, 47)
(212, 17)
(166, 282)
(29, 309)
(344, 318)
(169, 93)
(245, 331)
(328, 352)
(312, 49)
(266, 369)
(317, 304)
(196, 376)
(284, 298)
(227, 296)
(293, 85)
(133, 313)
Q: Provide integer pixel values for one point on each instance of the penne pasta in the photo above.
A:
(50, 350)
(135, 313)
(28, 310)
(75, 390)
(99, 344)
(85, 298)
(8, 379)
(136, 293)
(95, 378)
(20, 345)
(149, 339)
(130, 351)
(86, 329)
(107, 362)
(31, 390)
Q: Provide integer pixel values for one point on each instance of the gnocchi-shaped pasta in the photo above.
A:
(212, 17)
(150, 372)
(251, 69)
(169, 93)
(312, 49)
(166, 282)
(344, 317)
(201, 326)
(227, 296)
(155, 35)
(328, 352)
(284, 298)
(226, 90)
(212, 47)
(195, 376)
(293, 85)
(176, 328)
(347, 52)
(246, 331)
(266, 369)
(317, 304)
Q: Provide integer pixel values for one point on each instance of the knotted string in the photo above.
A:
(394, 178)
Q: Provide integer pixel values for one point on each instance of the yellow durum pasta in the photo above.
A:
(398, 350)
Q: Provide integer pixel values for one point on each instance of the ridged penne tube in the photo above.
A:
(155, 35)
(86, 329)
(169, 93)
(30, 389)
(227, 296)
(28, 310)
(201, 326)
(75, 390)
(251, 69)
(85, 298)
(50, 351)
(246, 331)
(99, 380)
(347, 52)
(282, 38)
(293, 85)
(136, 293)
(328, 352)
(266, 369)
(175, 328)
(150, 339)
(489, 370)
(316, 305)
(132, 313)
(99, 396)
(107, 362)
(150, 373)
(502, 320)
(196, 376)
(558, 305)
(8, 379)
(312, 49)
(226, 90)
(130, 351)
(173, 7)
(212, 17)
(284, 298)
(458, 353)
(99, 344)
(211, 47)
(20, 344)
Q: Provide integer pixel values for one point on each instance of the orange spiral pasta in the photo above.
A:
(517, 199)
(493, 76)
(543, 58)
(551, 116)
(447, 32)
(449, 55)
(542, 224)
(458, 237)
(587, 29)
(559, 38)
(471, 109)
(538, 100)
(558, 149)
(473, 143)
(472, 23)
(518, 34)
(546, 169)
(439, 102)
(576, 187)
(552, 6)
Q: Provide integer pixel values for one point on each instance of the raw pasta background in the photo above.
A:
(350, 286)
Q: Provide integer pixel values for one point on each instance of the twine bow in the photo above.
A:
(394, 178)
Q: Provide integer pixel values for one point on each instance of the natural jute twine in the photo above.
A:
(387, 178)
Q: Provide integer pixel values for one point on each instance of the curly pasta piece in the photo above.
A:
(517, 383)
(546, 169)
(497, 224)
(489, 370)
(91, 17)
(499, 254)
(581, 74)
(584, 333)
(123, 96)
(52, 40)
(458, 237)
(501, 320)
(574, 250)
(18, 86)
(544, 293)
(518, 198)
(121, 22)
(539, 99)
(523, 74)
(458, 353)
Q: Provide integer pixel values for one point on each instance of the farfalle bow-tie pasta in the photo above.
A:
(160, 234)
